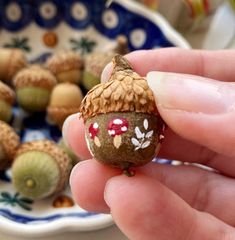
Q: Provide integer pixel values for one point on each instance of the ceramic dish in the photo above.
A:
(39, 28)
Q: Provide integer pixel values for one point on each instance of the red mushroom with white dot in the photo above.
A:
(93, 133)
(116, 128)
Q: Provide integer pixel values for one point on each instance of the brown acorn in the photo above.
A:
(9, 142)
(122, 124)
(7, 99)
(11, 61)
(66, 66)
(40, 169)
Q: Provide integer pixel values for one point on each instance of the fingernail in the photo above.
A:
(190, 93)
(66, 125)
(106, 73)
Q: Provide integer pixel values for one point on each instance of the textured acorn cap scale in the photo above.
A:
(40, 169)
(33, 87)
(9, 143)
(7, 99)
(122, 124)
(11, 61)
(66, 66)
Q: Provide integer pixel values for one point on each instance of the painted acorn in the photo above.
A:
(40, 169)
(94, 63)
(7, 99)
(65, 100)
(11, 61)
(33, 88)
(9, 142)
(66, 66)
(122, 125)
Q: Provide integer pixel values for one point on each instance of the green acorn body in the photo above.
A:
(33, 88)
(9, 143)
(122, 125)
(7, 99)
(40, 169)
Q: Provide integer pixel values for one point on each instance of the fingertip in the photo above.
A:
(106, 72)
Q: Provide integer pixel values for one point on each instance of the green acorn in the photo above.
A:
(9, 142)
(40, 169)
(94, 63)
(11, 61)
(7, 99)
(33, 88)
(66, 66)
(122, 125)
(65, 100)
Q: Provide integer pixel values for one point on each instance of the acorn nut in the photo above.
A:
(122, 125)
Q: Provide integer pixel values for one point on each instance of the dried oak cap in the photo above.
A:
(49, 147)
(6, 93)
(35, 76)
(64, 61)
(8, 139)
(125, 91)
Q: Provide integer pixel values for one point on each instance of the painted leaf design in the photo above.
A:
(135, 142)
(137, 148)
(149, 134)
(146, 124)
(145, 144)
(138, 133)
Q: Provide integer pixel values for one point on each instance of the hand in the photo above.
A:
(172, 202)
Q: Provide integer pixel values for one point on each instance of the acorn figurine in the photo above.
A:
(122, 125)
(11, 61)
(7, 99)
(94, 63)
(66, 66)
(33, 88)
(65, 100)
(40, 169)
(9, 142)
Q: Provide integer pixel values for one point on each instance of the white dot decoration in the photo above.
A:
(48, 10)
(110, 19)
(138, 38)
(79, 11)
(13, 12)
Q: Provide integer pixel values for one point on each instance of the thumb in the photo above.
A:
(198, 109)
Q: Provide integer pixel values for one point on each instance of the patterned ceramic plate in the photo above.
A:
(40, 27)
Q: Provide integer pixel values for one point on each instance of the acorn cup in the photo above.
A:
(122, 125)
(40, 169)
(7, 99)
(94, 63)
(66, 66)
(65, 100)
(11, 61)
(33, 88)
(9, 142)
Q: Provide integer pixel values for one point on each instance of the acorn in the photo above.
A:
(123, 128)
(33, 88)
(94, 63)
(11, 61)
(9, 142)
(7, 99)
(66, 66)
(65, 100)
(74, 158)
(40, 169)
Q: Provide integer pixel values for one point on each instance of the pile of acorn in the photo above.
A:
(41, 168)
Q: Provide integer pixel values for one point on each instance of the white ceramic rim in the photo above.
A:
(170, 33)
(58, 226)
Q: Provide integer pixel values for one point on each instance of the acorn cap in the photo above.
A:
(9, 140)
(64, 61)
(49, 147)
(125, 91)
(35, 76)
(7, 94)
(12, 60)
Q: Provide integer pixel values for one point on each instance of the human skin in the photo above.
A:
(164, 202)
